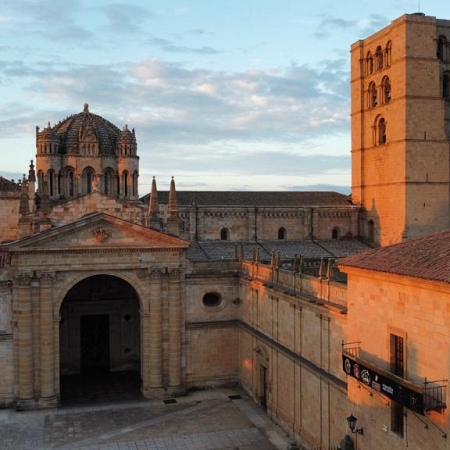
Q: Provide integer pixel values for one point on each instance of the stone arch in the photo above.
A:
(373, 95)
(132, 281)
(87, 180)
(99, 335)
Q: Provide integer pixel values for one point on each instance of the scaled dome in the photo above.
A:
(80, 133)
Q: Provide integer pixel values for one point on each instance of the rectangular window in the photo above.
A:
(397, 355)
(397, 368)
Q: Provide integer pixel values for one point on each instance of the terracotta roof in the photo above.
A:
(225, 250)
(427, 258)
(255, 198)
(8, 185)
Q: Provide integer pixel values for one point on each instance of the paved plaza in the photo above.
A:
(203, 420)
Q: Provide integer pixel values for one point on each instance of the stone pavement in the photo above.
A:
(205, 420)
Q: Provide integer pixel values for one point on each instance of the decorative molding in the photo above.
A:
(334, 214)
(23, 279)
(142, 274)
(46, 277)
(100, 235)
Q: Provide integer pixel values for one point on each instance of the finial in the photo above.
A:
(126, 127)
(86, 108)
(49, 124)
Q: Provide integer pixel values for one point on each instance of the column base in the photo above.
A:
(26, 404)
(161, 393)
(48, 402)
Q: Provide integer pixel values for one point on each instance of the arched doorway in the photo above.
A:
(99, 336)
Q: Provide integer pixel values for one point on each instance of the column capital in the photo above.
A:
(47, 277)
(23, 279)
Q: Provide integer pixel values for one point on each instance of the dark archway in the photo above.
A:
(100, 341)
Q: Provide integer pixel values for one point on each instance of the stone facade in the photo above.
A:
(401, 312)
(400, 129)
(174, 286)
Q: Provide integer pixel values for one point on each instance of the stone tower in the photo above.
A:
(401, 129)
(86, 153)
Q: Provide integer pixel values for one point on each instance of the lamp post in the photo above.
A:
(351, 420)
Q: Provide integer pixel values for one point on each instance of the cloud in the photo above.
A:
(171, 47)
(329, 26)
(126, 17)
(168, 102)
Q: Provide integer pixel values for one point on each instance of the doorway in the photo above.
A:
(263, 386)
(94, 343)
(99, 338)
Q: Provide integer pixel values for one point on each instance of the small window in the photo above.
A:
(106, 183)
(125, 184)
(211, 299)
(446, 86)
(380, 131)
(282, 233)
(369, 63)
(397, 368)
(386, 87)
(224, 234)
(335, 234)
(388, 53)
(373, 100)
(379, 58)
(442, 48)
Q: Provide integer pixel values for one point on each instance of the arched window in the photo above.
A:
(282, 233)
(70, 183)
(88, 178)
(442, 48)
(388, 54)
(386, 89)
(369, 63)
(380, 131)
(135, 183)
(379, 58)
(335, 234)
(125, 184)
(40, 177)
(372, 95)
(51, 183)
(224, 234)
(107, 183)
(446, 86)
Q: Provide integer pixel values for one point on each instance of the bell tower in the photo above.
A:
(400, 119)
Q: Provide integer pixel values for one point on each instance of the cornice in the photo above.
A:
(97, 250)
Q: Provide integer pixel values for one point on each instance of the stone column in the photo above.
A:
(155, 331)
(174, 329)
(24, 342)
(47, 346)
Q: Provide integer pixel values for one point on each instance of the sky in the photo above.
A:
(223, 95)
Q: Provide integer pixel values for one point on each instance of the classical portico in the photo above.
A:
(97, 294)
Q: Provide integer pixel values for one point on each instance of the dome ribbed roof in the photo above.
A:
(75, 128)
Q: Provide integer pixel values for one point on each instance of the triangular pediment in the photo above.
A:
(99, 230)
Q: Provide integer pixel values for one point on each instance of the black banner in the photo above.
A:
(384, 383)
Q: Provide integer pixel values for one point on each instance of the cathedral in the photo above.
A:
(318, 305)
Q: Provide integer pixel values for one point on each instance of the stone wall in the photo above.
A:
(381, 304)
(293, 339)
(9, 213)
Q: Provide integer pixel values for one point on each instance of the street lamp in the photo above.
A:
(352, 424)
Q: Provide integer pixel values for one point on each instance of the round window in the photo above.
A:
(211, 299)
